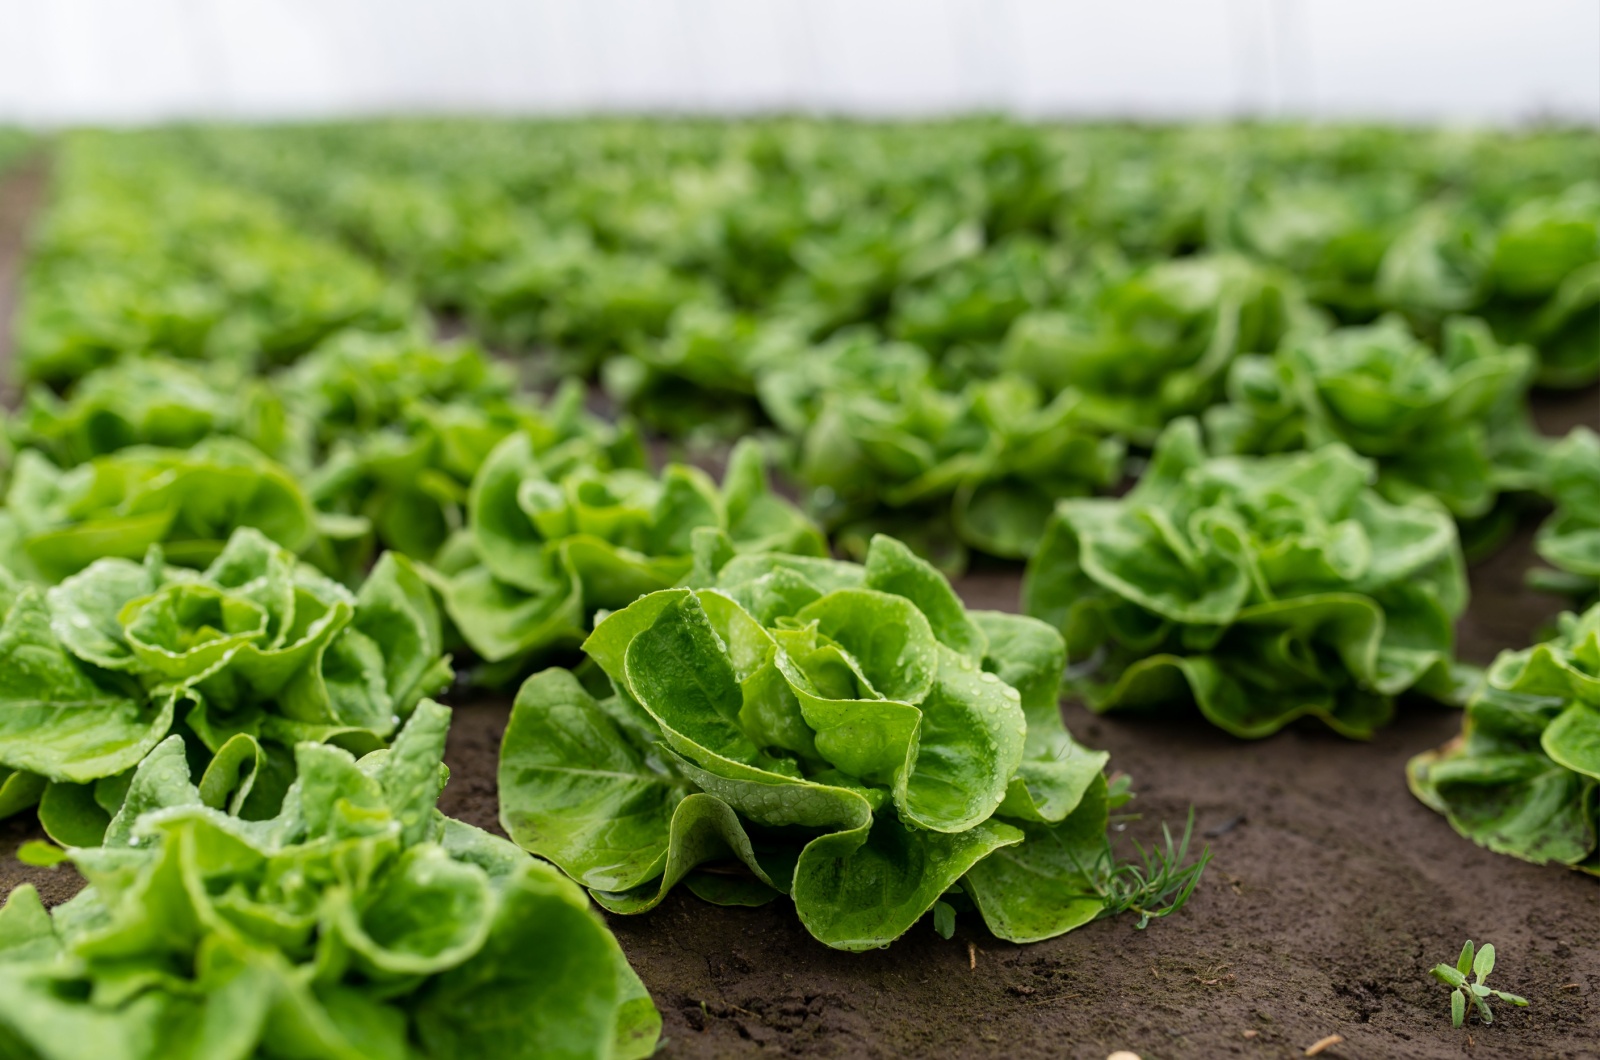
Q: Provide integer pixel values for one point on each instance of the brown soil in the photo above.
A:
(1331, 894)
(22, 191)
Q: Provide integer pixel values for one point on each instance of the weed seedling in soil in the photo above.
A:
(1480, 967)
(1155, 884)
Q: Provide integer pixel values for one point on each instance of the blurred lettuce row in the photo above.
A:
(1261, 589)
(1451, 425)
(370, 441)
(356, 922)
(243, 660)
(1521, 778)
(140, 254)
(847, 735)
(585, 237)
(548, 544)
(1569, 540)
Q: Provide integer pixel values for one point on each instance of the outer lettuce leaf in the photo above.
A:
(849, 736)
(356, 922)
(1263, 589)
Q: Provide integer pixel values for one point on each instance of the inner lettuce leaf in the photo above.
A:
(357, 922)
(848, 735)
(1261, 588)
(1522, 777)
(549, 544)
(245, 659)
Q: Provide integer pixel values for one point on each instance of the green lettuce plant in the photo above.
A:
(1261, 588)
(549, 543)
(1158, 344)
(189, 501)
(356, 923)
(155, 401)
(1452, 426)
(850, 736)
(1521, 778)
(980, 468)
(1545, 282)
(1569, 540)
(245, 659)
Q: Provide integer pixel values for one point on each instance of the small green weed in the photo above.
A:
(1480, 967)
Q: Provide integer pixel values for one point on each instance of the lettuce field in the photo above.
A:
(618, 587)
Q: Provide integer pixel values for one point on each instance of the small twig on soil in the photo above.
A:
(1572, 986)
(972, 956)
(1326, 1043)
(1252, 1034)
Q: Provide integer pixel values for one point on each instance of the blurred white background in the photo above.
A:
(1503, 61)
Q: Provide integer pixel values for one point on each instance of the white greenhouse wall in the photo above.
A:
(65, 61)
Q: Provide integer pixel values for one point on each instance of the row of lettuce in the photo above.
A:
(943, 328)
(222, 576)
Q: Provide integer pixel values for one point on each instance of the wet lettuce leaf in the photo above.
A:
(1263, 589)
(356, 922)
(245, 659)
(848, 735)
(551, 541)
(1521, 778)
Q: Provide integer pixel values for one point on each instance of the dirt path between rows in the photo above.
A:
(22, 191)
